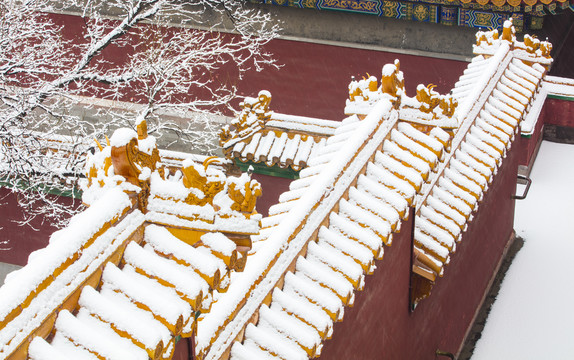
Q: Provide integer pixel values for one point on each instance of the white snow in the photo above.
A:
(290, 326)
(360, 253)
(375, 205)
(116, 309)
(92, 338)
(414, 147)
(376, 175)
(302, 123)
(185, 281)
(264, 146)
(336, 260)
(303, 310)
(289, 238)
(317, 294)
(162, 301)
(303, 151)
(249, 351)
(40, 349)
(396, 152)
(122, 137)
(355, 231)
(274, 342)
(70, 350)
(532, 317)
(67, 281)
(396, 167)
(325, 276)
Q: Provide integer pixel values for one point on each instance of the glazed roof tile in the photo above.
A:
(478, 153)
(144, 305)
(285, 141)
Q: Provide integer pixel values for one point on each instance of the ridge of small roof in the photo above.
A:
(260, 136)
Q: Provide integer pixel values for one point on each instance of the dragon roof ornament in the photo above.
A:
(532, 49)
(427, 108)
(203, 192)
(252, 117)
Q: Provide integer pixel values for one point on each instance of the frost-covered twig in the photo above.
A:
(175, 69)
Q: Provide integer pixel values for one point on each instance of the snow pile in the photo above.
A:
(531, 317)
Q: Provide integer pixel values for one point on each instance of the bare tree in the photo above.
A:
(177, 67)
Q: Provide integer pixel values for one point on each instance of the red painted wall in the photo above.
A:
(313, 78)
(554, 112)
(380, 325)
(558, 112)
(272, 187)
(22, 240)
(529, 144)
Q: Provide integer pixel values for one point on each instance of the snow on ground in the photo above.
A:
(533, 316)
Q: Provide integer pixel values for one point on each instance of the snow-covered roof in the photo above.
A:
(350, 211)
(259, 135)
(504, 89)
(115, 285)
(117, 288)
(338, 217)
(137, 311)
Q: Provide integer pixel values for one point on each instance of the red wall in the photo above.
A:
(313, 78)
(380, 325)
(554, 112)
(530, 144)
(558, 112)
(22, 240)
(272, 187)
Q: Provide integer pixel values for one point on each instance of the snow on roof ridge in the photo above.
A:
(71, 279)
(480, 144)
(355, 236)
(260, 135)
(303, 123)
(294, 232)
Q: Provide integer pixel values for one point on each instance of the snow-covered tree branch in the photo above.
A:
(160, 56)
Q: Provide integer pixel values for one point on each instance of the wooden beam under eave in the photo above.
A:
(426, 273)
(426, 261)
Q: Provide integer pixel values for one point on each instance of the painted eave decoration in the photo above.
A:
(481, 14)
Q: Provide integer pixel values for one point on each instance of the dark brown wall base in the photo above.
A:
(560, 134)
